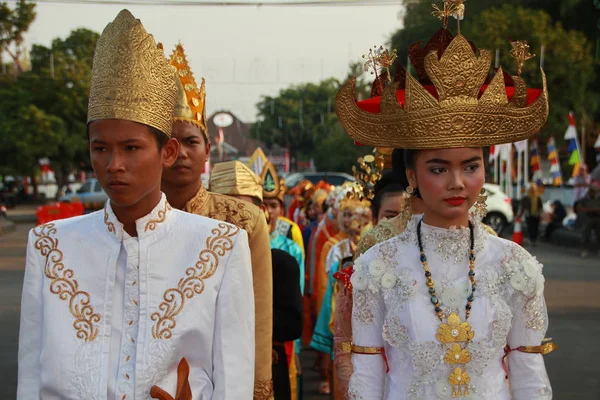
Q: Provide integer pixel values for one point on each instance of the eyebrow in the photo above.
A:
(128, 141)
(446, 162)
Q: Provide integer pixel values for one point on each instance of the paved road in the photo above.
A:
(572, 294)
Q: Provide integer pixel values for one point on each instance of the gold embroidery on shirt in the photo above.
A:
(263, 390)
(63, 284)
(192, 283)
(162, 214)
(109, 225)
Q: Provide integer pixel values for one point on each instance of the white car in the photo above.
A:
(500, 210)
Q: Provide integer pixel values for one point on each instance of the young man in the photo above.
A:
(182, 184)
(235, 179)
(116, 304)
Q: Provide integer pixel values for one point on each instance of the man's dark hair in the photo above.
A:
(388, 184)
(160, 137)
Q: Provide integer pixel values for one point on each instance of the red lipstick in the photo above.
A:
(455, 201)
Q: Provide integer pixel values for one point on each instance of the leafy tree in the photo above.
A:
(302, 119)
(13, 26)
(48, 105)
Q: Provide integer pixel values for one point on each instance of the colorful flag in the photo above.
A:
(573, 144)
(534, 158)
(554, 163)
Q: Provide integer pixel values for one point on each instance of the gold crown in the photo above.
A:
(131, 78)
(460, 116)
(191, 101)
(273, 187)
(235, 178)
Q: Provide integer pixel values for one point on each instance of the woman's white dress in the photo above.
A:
(392, 309)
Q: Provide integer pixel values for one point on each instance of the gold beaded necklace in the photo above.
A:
(454, 332)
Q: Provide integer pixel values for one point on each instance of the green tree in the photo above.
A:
(302, 119)
(568, 64)
(14, 23)
(50, 103)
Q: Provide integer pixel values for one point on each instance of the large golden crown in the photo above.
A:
(131, 78)
(191, 101)
(459, 110)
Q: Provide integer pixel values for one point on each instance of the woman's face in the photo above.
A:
(449, 181)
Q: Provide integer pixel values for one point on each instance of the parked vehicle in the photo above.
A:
(333, 178)
(500, 211)
(90, 194)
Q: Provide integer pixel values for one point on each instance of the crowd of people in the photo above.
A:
(173, 291)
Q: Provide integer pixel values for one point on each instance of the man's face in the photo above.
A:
(127, 161)
(193, 151)
(273, 208)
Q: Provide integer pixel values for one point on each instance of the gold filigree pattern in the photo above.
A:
(162, 214)
(454, 331)
(457, 118)
(457, 355)
(192, 284)
(520, 52)
(64, 285)
(263, 390)
(131, 78)
(109, 225)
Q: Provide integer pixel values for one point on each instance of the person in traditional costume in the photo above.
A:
(274, 192)
(183, 186)
(301, 193)
(234, 178)
(247, 186)
(315, 212)
(354, 214)
(437, 308)
(137, 300)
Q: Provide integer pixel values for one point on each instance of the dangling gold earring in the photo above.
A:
(407, 212)
(480, 207)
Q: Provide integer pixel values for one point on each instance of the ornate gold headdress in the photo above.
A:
(191, 101)
(458, 110)
(273, 187)
(131, 78)
(368, 173)
(235, 178)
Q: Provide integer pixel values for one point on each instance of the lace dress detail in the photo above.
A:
(392, 310)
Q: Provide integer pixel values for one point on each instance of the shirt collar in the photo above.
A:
(145, 226)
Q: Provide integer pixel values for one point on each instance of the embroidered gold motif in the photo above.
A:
(162, 214)
(263, 390)
(192, 284)
(109, 225)
(63, 284)
(454, 331)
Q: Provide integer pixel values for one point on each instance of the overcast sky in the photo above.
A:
(243, 52)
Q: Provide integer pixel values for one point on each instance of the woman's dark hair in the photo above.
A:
(160, 137)
(389, 183)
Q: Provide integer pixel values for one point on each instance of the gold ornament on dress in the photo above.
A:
(162, 214)
(263, 390)
(454, 331)
(63, 284)
(192, 284)
(458, 117)
(520, 52)
(131, 78)
(191, 100)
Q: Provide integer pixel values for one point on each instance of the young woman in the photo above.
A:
(437, 307)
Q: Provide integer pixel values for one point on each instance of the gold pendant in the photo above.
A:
(454, 331)
(457, 355)
(459, 379)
